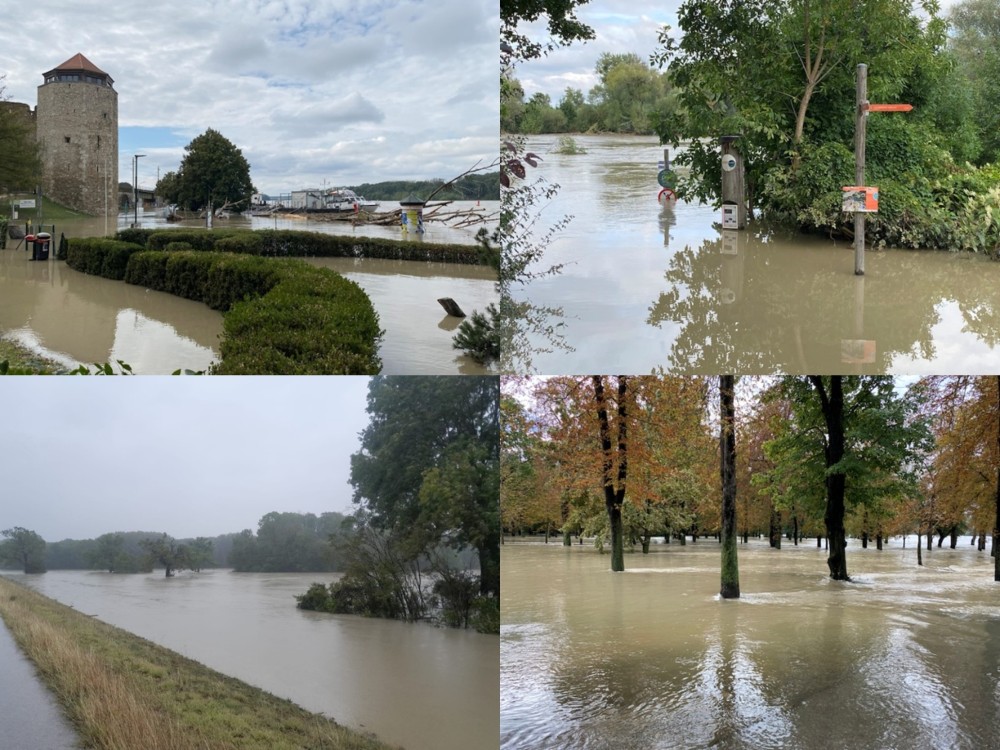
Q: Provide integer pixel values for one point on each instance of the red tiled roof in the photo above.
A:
(76, 63)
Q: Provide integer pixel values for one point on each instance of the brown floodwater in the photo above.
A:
(653, 658)
(74, 318)
(413, 685)
(645, 286)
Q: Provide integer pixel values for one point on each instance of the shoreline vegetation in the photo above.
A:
(20, 360)
(122, 691)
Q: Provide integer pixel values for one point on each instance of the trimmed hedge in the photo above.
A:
(284, 317)
(299, 244)
(100, 257)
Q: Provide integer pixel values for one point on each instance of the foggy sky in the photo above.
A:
(196, 456)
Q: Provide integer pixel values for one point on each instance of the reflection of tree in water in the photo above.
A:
(522, 327)
(702, 686)
(739, 301)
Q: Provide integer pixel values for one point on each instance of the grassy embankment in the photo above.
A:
(23, 361)
(122, 691)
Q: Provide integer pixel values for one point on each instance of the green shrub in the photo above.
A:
(100, 257)
(317, 599)
(234, 279)
(299, 244)
(148, 269)
(456, 590)
(486, 614)
(187, 274)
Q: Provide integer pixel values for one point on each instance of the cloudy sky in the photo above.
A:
(346, 91)
(188, 456)
(619, 29)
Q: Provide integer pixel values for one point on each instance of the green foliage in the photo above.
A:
(486, 614)
(885, 443)
(100, 257)
(468, 188)
(212, 171)
(568, 146)
(174, 556)
(299, 244)
(290, 542)
(428, 468)
(24, 548)
(20, 162)
(285, 317)
(457, 592)
(560, 16)
(479, 335)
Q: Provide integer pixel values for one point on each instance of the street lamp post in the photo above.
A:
(135, 188)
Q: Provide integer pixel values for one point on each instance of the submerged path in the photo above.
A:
(31, 717)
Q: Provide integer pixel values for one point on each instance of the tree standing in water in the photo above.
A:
(614, 483)
(727, 469)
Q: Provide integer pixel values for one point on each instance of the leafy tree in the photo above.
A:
(563, 25)
(428, 468)
(108, 552)
(20, 162)
(213, 171)
(781, 74)
(858, 437)
(24, 548)
(166, 551)
(976, 43)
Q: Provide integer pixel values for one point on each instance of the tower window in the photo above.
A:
(66, 138)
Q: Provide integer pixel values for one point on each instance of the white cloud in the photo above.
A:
(282, 78)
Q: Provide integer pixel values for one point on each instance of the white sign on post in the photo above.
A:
(26, 203)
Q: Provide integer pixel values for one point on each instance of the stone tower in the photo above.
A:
(77, 128)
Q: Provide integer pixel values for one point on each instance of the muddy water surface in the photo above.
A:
(901, 657)
(416, 686)
(645, 286)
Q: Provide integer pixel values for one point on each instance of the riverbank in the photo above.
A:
(120, 690)
(22, 361)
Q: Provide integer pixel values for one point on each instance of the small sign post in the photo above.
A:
(859, 199)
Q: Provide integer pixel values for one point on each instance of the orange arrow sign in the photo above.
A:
(888, 107)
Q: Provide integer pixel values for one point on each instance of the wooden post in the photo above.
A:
(860, 123)
(733, 183)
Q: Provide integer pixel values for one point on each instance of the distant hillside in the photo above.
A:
(471, 187)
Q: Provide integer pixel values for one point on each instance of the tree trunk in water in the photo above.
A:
(617, 538)
(819, 542)
(920, 547)
(614, 492)
(982, 541)
(795, 530)
(996, 523)
(836, 484)
(489, 569)
(730, 566)
(930, 539)
(567, 540)
(645, 544)
(954, 537)
(864, 540)
(878, 541)
(774, 528)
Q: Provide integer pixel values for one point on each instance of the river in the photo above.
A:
(74, 318)
(652, 658)
(644, 286)
(413, 685)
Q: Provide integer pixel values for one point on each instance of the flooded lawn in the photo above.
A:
(645, 286)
